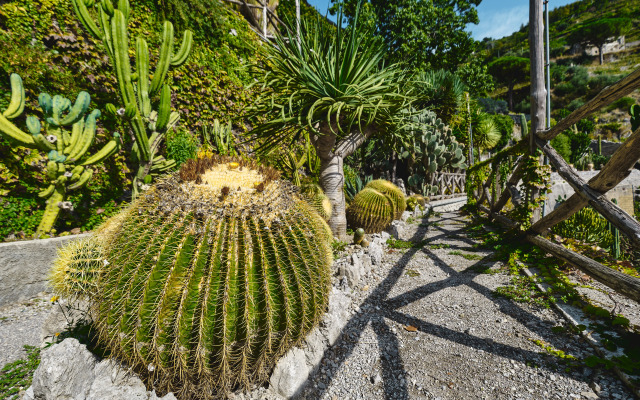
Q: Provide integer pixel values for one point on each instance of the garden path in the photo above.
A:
(429, 326)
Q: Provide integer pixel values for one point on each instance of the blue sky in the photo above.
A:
(498, 18)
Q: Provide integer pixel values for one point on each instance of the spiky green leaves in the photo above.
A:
(370, 210)
(205, 281)
(394, 193)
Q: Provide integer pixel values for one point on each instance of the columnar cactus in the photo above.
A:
(318, 200)
(394, 193)
(66, 169)
(149, 122)
(370, 210)
(207, 278)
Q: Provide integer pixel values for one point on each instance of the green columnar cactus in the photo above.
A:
(394, 192)
(524, 126)
(318, 200)
(207, 278)
(66, 169)
(370, 210)
(148, 121)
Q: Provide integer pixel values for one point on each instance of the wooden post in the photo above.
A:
(538, 91)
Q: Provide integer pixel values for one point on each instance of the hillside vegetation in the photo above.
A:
(576, 76)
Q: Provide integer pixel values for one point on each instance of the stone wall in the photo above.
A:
(623, 193)
(24, 266)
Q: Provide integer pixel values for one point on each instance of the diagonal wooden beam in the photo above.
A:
(606, 96)
(614, 214)
(614, 172)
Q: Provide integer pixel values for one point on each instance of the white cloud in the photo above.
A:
(499, 24)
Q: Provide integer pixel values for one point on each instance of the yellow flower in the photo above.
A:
(55, 298)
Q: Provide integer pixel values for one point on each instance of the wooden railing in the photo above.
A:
(449, 184)
(492, 183)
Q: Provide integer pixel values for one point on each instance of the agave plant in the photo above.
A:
(334, 84)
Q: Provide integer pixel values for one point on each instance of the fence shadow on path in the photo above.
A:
(394, 373)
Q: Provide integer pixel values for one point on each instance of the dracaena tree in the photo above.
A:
(334, 84)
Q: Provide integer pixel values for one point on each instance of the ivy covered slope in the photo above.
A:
(51, 51)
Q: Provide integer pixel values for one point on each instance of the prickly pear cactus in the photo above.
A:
(370, 210)
(318, 200)
(67, 167)
(206, 279)
(394, 192)
(434, 149)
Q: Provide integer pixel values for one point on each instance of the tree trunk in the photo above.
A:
(511, 96)
(600, 50)
(332, 181)
(332, 155)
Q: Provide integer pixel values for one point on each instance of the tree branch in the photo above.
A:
(355, 139)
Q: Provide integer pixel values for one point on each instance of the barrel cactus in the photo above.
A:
(414, 201)
(206, 279)
(394, 192)
(318, 200)
(370, 210)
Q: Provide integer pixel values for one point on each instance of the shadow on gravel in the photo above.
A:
(394, 374)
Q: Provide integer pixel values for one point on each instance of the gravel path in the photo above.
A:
(20, 324)
(467, 343)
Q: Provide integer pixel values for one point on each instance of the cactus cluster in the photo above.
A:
(148, 120)
(394, 193)
(434, 149)
(318, 200)
(370, 210)
(414, 201)
(66, 168)
(206, 279)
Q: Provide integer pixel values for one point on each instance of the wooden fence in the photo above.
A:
(504, 173)
(449, 184)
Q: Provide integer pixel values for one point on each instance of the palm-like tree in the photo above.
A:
(335, 85)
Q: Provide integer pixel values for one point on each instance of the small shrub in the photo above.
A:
(181, 146)
(622, 104)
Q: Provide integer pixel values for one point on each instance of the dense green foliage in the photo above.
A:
(510, 70)
(426, 34)
(52, 53)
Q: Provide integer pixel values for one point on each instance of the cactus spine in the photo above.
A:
(370, 210)
(148, 126)
(67, 152)
(394, 192)
(209, 277)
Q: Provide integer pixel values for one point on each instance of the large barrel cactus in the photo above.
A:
(394, 192)
(370, 210)
(206, 279)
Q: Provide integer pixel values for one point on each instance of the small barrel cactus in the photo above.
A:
(318, 200)
(394, 192)
(206, 279)
(370, 210)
